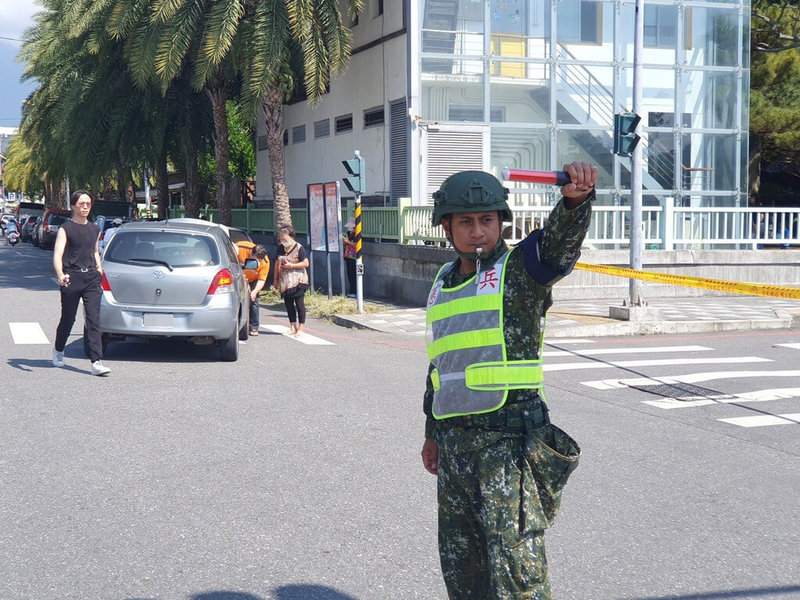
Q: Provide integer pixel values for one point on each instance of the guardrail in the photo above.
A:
(665, 228)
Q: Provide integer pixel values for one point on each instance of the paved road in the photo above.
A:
(294, 473)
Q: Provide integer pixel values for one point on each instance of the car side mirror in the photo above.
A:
(251, 264)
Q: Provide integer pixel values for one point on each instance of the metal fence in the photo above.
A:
(665, 228)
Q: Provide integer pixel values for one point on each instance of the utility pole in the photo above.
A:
(636, 159)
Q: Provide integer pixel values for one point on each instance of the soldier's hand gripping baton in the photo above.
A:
(552, 177)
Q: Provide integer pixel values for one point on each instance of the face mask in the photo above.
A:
(287, 243)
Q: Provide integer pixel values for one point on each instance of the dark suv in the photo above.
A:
(51, 221)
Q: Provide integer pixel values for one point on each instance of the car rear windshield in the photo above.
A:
(57, 219)
(177, 249)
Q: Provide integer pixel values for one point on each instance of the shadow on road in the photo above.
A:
(309, 592)
(787, 591)
(303, 591)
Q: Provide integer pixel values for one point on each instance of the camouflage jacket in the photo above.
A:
(526, 299)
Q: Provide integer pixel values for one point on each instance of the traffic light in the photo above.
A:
(357, 169)
(625, 138)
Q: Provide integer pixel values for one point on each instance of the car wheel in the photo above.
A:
(104, 339)
(229, 348)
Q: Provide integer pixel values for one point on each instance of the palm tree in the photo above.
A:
(234, 44)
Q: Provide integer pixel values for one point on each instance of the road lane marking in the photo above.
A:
(600, 351)
(651, 363)
(559, 341)
(755, 396)
(611, 384)
(792, 346)
(304, 338)
(28, 333)
(764, 420)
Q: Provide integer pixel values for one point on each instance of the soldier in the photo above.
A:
(501, 464)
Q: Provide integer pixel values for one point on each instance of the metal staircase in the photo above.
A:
(438, 33)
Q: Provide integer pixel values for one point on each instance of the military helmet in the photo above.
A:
(470, 191)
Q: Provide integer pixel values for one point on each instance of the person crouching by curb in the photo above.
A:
(501, 464)
(256, 279)
(76, 260)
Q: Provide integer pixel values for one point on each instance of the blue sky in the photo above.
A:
(15, 17)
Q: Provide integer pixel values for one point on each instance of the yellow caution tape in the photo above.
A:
(720, 285)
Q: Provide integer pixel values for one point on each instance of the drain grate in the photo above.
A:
(680, 391)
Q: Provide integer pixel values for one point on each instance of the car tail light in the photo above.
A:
(104, 283)
(222, 282)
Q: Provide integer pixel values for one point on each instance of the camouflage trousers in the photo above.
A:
(497, 493)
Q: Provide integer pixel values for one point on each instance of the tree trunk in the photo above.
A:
(218, 96)
(273, 117)
(191, 199)
(162, 185)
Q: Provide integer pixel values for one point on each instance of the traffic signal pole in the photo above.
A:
(356, 184)
(636, 159)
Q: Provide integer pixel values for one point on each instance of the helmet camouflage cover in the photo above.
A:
(470, 191)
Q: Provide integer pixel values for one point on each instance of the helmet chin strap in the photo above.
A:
(473, 256)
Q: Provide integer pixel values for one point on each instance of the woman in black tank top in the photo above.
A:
(76, 261)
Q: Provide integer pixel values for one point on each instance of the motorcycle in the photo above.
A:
(13, 238)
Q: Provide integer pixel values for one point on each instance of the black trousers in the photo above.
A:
(295, 301)
(350, 265)
(84, 286)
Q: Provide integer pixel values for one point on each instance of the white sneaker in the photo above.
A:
(58, 358)
(99, 369)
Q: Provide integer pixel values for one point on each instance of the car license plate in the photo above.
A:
(157, 320)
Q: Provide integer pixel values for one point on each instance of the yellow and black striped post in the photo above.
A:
(359, 261)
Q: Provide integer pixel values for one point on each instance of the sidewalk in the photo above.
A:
(569, 319)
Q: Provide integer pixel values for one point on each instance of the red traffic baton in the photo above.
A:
(550, 177)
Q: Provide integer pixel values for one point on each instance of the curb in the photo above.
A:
(658, 327)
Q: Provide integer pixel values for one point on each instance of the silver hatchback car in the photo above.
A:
(173, 279)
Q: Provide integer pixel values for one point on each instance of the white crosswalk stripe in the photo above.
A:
(304, 338)
(755, 396)
(28, 333)
(609, 384)
(685, 391)
(602, 351)
(764, 420)
(652, 363)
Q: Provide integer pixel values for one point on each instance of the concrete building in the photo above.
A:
(437, 86)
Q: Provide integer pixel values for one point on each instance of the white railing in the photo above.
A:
(675, 228)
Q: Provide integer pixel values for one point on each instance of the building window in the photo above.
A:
(380, 8)
(661, 26)
(344, 123)
(588, 16)
(285, 137)
(322, 129)
(262, 143)
(464, 112)
(373, 117)
(299, 134)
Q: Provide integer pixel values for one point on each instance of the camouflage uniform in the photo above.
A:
(499, 490)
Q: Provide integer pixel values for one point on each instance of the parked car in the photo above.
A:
(26, 231)
(234, 233)
(35, 232)
(175, 280)
(108, 227)
(52, 220)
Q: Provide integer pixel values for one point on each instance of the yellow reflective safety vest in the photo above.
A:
(464, 335)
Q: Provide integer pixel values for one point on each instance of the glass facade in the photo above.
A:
(544, 79)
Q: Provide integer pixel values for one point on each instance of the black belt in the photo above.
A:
(81, 269)
(512, 420)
